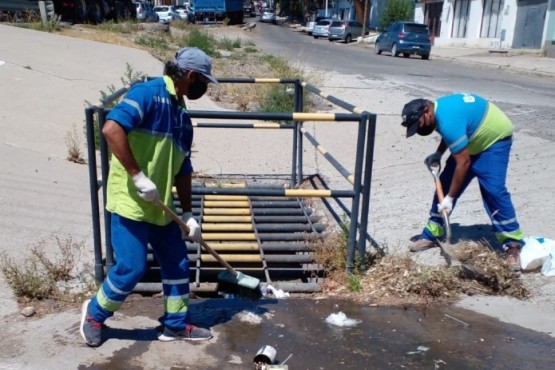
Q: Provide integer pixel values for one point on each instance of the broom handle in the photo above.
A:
(185, 228)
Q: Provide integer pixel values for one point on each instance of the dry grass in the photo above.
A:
(396, 279)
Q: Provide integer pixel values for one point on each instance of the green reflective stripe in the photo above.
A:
(178, 304)
(514, 235)
(106, 303)
(435, 228)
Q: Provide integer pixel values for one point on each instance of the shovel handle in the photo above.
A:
(185, 228)
(440, 197)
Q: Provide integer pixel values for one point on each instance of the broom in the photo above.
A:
(230, 281)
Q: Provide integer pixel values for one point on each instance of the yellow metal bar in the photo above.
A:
(234, 246)
(299, 116)
(233, 258)
(266, 125)
(227, 227)
(307, 193)
(267, 80)
(225, 197)
(228, 236)
(226, 185)
(226, 204)
(226, 211)
(227, 219)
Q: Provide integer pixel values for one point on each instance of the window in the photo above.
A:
(460, 18)
(491, 18)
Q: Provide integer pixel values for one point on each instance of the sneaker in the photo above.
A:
(91, 330)
(190, 332)
(512, 256)
(422, 245)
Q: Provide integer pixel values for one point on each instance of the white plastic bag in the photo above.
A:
(534, 253)
(548, 268)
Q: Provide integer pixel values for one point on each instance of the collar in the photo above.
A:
(170, 86)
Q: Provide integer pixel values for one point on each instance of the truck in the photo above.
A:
(95, 11)
(212, 11)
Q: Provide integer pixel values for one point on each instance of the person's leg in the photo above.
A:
(171, 253)
(434, 228)
(129, 239)
(491, 169)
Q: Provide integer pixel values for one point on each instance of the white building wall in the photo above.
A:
(473, 38)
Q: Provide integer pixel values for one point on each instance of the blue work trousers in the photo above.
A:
(130, 241)
(490, 168)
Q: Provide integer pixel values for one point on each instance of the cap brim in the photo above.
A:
(411, 130)
(211, 79)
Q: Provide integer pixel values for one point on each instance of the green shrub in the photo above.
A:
(397, 10)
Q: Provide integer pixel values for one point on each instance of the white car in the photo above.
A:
(166, 13)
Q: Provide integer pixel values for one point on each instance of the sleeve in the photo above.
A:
(130, 112)
(452, 128)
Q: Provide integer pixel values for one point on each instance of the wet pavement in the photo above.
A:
(441, 337)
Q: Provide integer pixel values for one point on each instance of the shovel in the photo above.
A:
(446, 248)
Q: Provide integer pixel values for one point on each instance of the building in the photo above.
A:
(494, 24)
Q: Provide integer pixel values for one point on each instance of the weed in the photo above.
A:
(73, 144)
(228, 44)
(354, 283)
(37, 277)
(202, 40)
(251, 49)
(52, 25)
(117, 27)
(154, 42)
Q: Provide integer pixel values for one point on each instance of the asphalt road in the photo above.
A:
(528, 98)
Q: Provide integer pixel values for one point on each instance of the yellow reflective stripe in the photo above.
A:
(515, 235)
(176, 304)
(107, 304)
(435, 228)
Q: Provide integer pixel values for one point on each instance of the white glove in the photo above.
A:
(433, 158)
(447, 204)
(192, 224)
(147, 189)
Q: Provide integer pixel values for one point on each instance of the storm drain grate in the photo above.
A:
(265, 237)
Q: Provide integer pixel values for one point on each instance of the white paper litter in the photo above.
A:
(340, 319)
(249, 317)
(278, 293)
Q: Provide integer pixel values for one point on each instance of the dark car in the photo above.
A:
(145, 13)
(405, 38)
(344, 30)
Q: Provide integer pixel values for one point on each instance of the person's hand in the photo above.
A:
(194, 227)
(432, 159)
(447, 205)
(147, 189)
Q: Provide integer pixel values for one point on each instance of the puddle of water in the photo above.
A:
(436, 338)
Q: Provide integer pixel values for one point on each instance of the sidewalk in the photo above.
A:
(523, 61)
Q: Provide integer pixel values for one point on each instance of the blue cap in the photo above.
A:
(194, 59)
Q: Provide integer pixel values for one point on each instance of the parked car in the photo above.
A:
(310, 24)
(321, 28)
(145, 12)
(166, 13)
(185, 13)
(344, 30)
(268, 16)
(405, 38)
(249, 10)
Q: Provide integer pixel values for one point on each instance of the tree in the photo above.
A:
(397, 10)
(359, 9)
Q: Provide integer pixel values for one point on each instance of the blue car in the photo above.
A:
(405, 38)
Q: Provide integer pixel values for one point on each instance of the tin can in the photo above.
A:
(265, 355)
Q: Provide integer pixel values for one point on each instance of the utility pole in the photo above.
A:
(365, 17)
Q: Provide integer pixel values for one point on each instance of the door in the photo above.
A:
(529, 25)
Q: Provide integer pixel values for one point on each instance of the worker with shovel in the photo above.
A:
(479, 136)
(150, 134)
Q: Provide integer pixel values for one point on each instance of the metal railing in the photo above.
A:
(95, 115)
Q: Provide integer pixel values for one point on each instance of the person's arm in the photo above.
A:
(462, 160)
(442, 147)
(119, 145)
(183, 185)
